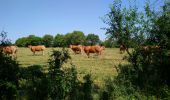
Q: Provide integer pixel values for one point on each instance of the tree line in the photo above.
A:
(64, 40)
(60, 40)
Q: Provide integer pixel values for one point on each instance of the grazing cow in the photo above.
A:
(93, 49)
(122, 49)
(77, 49)
(37, 48)
(9, 50)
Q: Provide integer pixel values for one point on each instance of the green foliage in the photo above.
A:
(92, 39)
(148, 68)
(35, 84)
(59, 40)
(124, 25)
(48, 40)
(9, 71)
(76, 37)
(30, 40)
(21, 42)
(34, 40)
(121, 87)
(109, 43)
(87, 88)
(62, 82)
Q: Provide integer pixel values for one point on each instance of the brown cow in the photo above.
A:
(93, 49)
(77, 49)
(37, 48)
(9, 50)
(122, 49)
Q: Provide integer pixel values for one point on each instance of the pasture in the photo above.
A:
(100, 67)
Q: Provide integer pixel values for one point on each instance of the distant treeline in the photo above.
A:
(64, 40)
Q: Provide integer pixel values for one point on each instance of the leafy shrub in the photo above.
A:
(87, 87)
(35, 85)
(9, 71)
(62, 81)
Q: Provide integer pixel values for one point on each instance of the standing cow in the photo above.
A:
(10, 50)
(37, 48)
(93, 49)
(77, 49)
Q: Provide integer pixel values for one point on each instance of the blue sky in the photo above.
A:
(39, 17)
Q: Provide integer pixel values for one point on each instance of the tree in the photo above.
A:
(34, 40)
(109, 43)
(48, 40)
(148, 69)
(59, 40)
(123, 24)
(76, 37)
(30, 40)
(21, 42)
(92, 39)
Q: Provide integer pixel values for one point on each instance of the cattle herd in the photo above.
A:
(77, 49)
(12, 50)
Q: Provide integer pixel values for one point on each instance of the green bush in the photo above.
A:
(62, 82)
(87, 87)
(9, 71)
(35, 84)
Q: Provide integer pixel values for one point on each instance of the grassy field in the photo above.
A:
(100, 67)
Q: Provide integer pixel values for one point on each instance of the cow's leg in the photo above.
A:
(42, 52)
(33, 53)
(79, 51)
(99, 53)
(88, 54)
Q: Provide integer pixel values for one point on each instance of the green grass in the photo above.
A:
(100, 67)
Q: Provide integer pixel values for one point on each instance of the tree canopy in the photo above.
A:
(48, 40)
(92, 39)
(60, 40)
(148, 68)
